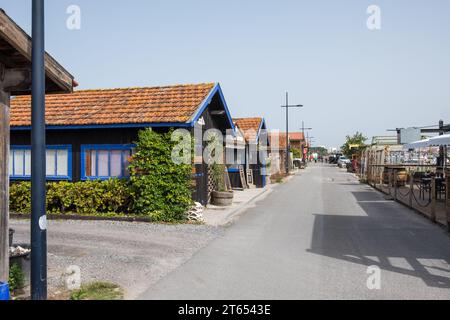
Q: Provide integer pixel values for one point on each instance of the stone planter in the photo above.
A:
(222, 198)
(23, 261)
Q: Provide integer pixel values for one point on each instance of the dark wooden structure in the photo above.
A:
(237, 147)
(254, 131)
(216, 116)
(15, 80)
(121, 130)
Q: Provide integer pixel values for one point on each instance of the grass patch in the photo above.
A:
(278, 178)
(98, 291)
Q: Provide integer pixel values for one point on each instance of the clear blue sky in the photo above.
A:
(348, 77)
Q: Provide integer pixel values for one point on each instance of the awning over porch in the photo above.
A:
(437, 141)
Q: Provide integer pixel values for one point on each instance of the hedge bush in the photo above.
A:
(159, 187)
(20, 197)
(88, 197)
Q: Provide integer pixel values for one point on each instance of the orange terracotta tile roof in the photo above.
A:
(169, 104)
(249, 126)
(296, 136)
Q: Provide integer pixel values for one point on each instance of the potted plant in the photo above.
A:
(220, 196)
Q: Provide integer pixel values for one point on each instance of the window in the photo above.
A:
(58, 166)
(105, 161)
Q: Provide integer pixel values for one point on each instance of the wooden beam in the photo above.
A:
(4, 185)
(21, 42)
(7, 61)
(12, 80)
(217, 112)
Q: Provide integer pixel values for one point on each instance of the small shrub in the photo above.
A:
(60, 197)
(89, 197)
(20, 197)
(278, 178)
(218, 175)
(116, 196)
(159, 187)
(16, 278)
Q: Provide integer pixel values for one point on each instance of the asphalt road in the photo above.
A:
(314, 238)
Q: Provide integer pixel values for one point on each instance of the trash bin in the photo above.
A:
(4, 291)
(11, 237)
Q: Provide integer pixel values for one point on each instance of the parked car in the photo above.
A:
(343, 161)
(333, 159)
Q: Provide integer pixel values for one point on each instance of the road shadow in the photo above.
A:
(385, 235)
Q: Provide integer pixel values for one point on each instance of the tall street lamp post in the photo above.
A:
(309, 141)
(305, 141)
(287, 106)
(38, 214)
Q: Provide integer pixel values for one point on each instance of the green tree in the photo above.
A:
(358, 139)
(297, 153)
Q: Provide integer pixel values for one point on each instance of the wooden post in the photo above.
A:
(380, 171)
(389, 181)
(411, 188)
(433, 199)
(4, 186)
(394, 174)
(10, 80)
(447, 198)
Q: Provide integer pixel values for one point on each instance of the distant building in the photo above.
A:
(254, 133)
(277, 153)
(385, 140)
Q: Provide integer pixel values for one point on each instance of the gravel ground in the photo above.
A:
(133, 255)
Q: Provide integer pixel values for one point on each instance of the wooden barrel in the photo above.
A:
(222, 199)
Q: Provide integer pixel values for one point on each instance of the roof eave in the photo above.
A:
(109, 126)
(61, 80)
(207, 101)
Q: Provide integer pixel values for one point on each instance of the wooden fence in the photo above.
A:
(431, 199)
